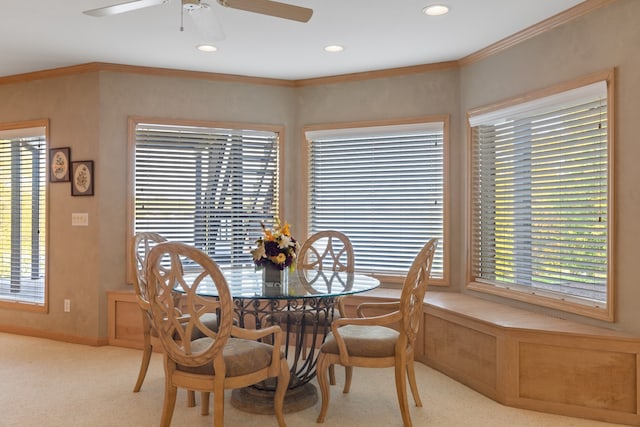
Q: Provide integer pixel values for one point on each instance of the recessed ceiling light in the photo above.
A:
(206, 48)
(435, 10)
(334, 48)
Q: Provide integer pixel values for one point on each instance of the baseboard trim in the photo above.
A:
(38, 333)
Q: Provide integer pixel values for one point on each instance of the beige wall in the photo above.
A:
(89, 113)
(71, 105)
(606, 38)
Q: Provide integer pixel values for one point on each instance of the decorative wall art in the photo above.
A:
(82, 178)
(59, 164)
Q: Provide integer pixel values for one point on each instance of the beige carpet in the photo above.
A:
(49, 383)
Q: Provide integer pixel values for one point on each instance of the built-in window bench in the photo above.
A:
(528, 360)
(516, 357)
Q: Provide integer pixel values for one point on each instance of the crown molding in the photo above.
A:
(93, 67)
(377, 74)
(534, 30)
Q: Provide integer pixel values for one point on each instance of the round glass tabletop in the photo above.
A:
(249, 283)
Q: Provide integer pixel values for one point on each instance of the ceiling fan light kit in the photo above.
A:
(191, 4)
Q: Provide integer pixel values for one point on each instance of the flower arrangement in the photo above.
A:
(276, 247)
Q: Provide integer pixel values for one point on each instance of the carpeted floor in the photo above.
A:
(48, 383)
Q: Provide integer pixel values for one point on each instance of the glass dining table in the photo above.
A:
(306, 300)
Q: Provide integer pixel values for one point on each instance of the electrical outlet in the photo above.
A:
(80, 218)
(67, 305)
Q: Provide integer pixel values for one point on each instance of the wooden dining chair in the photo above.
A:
(329, 251)
(226, 358)
(142, 243)
(141, 246)
(371, 342)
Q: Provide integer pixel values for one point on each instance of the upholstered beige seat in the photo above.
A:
(228, 357)
(371, 342)
(141, 246)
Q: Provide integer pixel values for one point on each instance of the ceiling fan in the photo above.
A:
(264, 7)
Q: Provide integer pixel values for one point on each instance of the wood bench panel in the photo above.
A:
(462, 353)
(124, 319)
(543, 363)
(575, 376)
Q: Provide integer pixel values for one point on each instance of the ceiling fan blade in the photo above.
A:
(123, 7)
(271, 8)
(207, 23)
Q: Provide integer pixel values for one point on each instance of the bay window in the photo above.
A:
(540, 200)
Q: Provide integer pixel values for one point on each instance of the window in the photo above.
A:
(384, 187)
(23, 187)
(206, 186)
(540, 201)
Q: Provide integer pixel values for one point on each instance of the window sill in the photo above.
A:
(593, 311)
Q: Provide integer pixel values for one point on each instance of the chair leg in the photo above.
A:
(411, 374)
(204, 401)
(401, 391)
(348, 374)
(147, 349)
(281, 390)
(332, 374)
(218, 402)
(170, 393)
(191, 398)
(321, 375)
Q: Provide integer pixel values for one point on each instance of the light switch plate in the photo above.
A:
(80, 219)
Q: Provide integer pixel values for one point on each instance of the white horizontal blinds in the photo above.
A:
(23, 168)
(207, 187)
(540, 208)
(382, 187)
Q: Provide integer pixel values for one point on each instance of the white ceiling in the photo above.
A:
(377, 34)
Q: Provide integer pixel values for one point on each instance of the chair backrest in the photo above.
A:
(177, 267)
(140, 248)
(327, 250)
(413, 290)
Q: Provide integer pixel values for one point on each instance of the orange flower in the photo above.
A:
(285, 229)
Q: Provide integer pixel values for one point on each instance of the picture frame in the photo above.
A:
(82, 178)
(59, 164)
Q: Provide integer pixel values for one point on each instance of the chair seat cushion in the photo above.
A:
(364, 341)
(241, 357)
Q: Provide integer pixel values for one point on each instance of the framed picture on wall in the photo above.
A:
(59, 164)
(82, 178)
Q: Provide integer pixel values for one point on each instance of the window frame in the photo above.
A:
(133, 121)
(538, 297)
(389, 280)
(22, 305)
